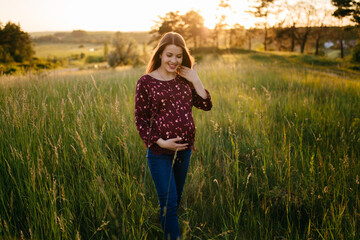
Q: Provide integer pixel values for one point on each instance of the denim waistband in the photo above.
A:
(179, 153)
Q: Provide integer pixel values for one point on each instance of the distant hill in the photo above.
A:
(80, 36)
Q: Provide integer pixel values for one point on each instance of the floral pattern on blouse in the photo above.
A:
(163, 109)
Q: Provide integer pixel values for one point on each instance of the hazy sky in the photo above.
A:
(112, 15)
(120, 15)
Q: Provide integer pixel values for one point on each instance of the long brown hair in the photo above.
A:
(168, 39)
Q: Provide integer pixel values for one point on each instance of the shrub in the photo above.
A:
(125, 53)
(94, 59)
(355, 55)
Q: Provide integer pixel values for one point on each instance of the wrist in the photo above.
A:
(195, 80)
(160, 142)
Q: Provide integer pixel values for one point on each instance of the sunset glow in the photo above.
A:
(121, 15)
(111, 15)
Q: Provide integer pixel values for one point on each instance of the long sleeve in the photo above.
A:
(163, 109)
(143, 114)
(199, 102)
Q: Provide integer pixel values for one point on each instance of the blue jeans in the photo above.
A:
(169, 178)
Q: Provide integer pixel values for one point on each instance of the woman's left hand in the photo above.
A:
(189, 74)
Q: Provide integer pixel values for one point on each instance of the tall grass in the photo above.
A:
(277, 157)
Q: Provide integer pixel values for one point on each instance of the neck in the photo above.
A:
(166, 75)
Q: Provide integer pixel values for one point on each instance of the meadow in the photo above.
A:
(276, 158)
(45, 50)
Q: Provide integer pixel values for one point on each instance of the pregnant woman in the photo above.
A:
(164, 99)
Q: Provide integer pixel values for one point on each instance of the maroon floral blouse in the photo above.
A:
(163, 109)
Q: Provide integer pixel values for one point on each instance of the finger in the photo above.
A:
(180, 148)
(184, 72)
(181, 145)
(181, 70)
(174, 140)
(178, 68)
(185, 68)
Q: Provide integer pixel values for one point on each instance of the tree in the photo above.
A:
(250, 34)
(237, 35)
(193, 23)
(125, 53)
(15, 44)
(262, 9)
(219, 28)
(346, 8)
(171, 22)
(283, 36)
(221, 21)
(319, 31)
(106, 49)
(356, 12)
(302, 13)
(78, 34)
(190, 26)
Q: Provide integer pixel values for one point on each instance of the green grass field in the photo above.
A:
(70, 53)
(45, 50)
(277, 156)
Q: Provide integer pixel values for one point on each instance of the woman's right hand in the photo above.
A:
(172, 144)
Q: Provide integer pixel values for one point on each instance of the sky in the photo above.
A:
(110, 15)
(119, 15)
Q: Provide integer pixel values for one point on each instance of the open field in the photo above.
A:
(277, 156)
(45, 50)
(71, 53)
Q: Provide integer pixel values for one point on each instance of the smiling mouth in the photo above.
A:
(172, 66)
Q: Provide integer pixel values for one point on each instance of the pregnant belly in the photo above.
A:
(183, 129)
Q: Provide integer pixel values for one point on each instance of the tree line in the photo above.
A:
(301, 25)
(81, 37)
(17, 53)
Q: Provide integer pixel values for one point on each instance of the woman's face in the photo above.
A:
(171, 58)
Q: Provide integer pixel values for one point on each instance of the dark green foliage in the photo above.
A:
(346, 8)
(355, 56)
(94, 59)
(76, 56)
(15, 44)
(190, 26)
(171, 22)
(20, 68)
